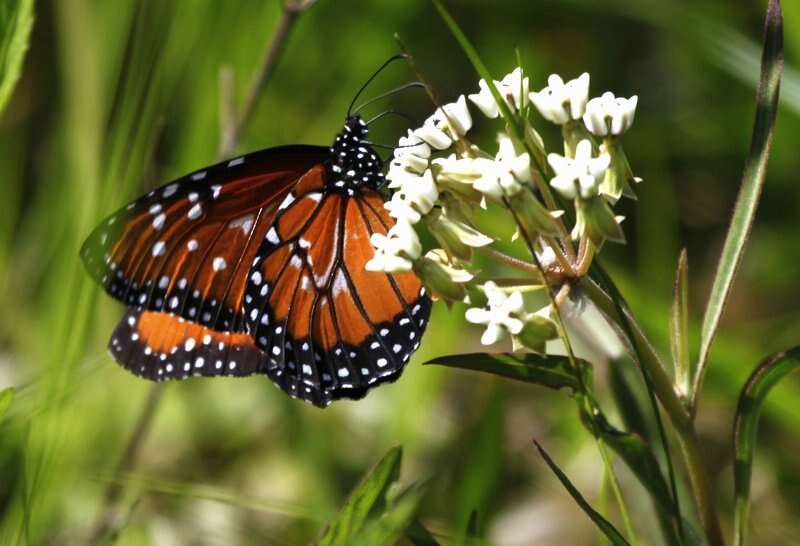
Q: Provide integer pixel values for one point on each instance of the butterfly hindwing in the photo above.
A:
(161, 346)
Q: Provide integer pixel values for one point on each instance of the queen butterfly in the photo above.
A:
(256, 265)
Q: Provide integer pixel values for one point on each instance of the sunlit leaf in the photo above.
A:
(602, 523)
(679, 326)
(745, 429)
(755, 171)
(16, 22)
(388, 527)
(370, 492)
(6, 396)
(551, 371)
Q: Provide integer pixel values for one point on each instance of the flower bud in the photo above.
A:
(532, 216)
(619, 175)
(596, 220)
(456, 237)
(442, 278)
(538, 329)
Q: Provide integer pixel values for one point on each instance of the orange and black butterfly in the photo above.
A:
(256, 265)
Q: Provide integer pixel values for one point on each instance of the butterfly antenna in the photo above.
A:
(389, 93)
(388, 112)
(389, 61)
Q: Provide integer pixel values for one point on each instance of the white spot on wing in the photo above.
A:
(219, 263)
(169, 190)
(158, 248)
(234, 162)
(195, 212)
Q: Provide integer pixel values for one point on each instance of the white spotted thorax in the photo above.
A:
(353, 161)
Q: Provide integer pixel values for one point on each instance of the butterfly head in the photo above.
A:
(354, 163)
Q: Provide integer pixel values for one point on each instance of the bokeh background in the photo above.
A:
(117, 97)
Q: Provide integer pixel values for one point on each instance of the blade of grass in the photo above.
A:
(602, 523)
(418, 535)
(16, 22)
(389, 526)
(755, 172)
(368, 494)
(745, 429)
(679, 328)
(6, 397)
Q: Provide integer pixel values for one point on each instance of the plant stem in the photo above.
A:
(107, 519)
(586, 398)
(289, 14)
(671, 402)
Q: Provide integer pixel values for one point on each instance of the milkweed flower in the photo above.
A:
(579, 176)
(415, 197)
(411, 155)
(396, 251)
(561, 102)
(513, 88)
(610, 115)
(447, 124)
(500, 316)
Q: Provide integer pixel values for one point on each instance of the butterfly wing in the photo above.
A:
(160, 346)
(330, 328)
(185, 248)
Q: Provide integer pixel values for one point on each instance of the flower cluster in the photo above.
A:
(439, 178)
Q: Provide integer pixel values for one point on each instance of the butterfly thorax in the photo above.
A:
(354, 164)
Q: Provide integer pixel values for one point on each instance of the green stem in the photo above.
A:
(671, 402)
(586, 399)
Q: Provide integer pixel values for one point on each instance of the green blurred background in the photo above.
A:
(119, 96)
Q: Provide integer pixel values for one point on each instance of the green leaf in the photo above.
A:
(602, 523)
(755, 171)
(16, 22)
(745, 428)
(389, 526)
(362, 500)
(641, 460)
(6, 396)
(551, 371)
(679, 327)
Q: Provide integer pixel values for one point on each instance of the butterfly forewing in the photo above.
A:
(331, 328)
(185, 248)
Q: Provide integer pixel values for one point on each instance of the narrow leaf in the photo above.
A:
(388, 527)
(6, 396)
(755, 171)
(679, 327)
(602, 523)
(745, 428)
(362, 500)
(16, 22)
(551, 371)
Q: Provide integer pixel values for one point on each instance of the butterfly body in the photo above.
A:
(256, 265)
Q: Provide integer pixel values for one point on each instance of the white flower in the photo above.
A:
(515, 167)
(607, 114)
(560, 102)
(415, 197)
(411, 155)
(446, 124)
(401, 209)
(499, 317)
(396, 251)
(513, 88)
(584, 171)
(456, 117)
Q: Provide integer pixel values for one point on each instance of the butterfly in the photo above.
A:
(256, 265)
